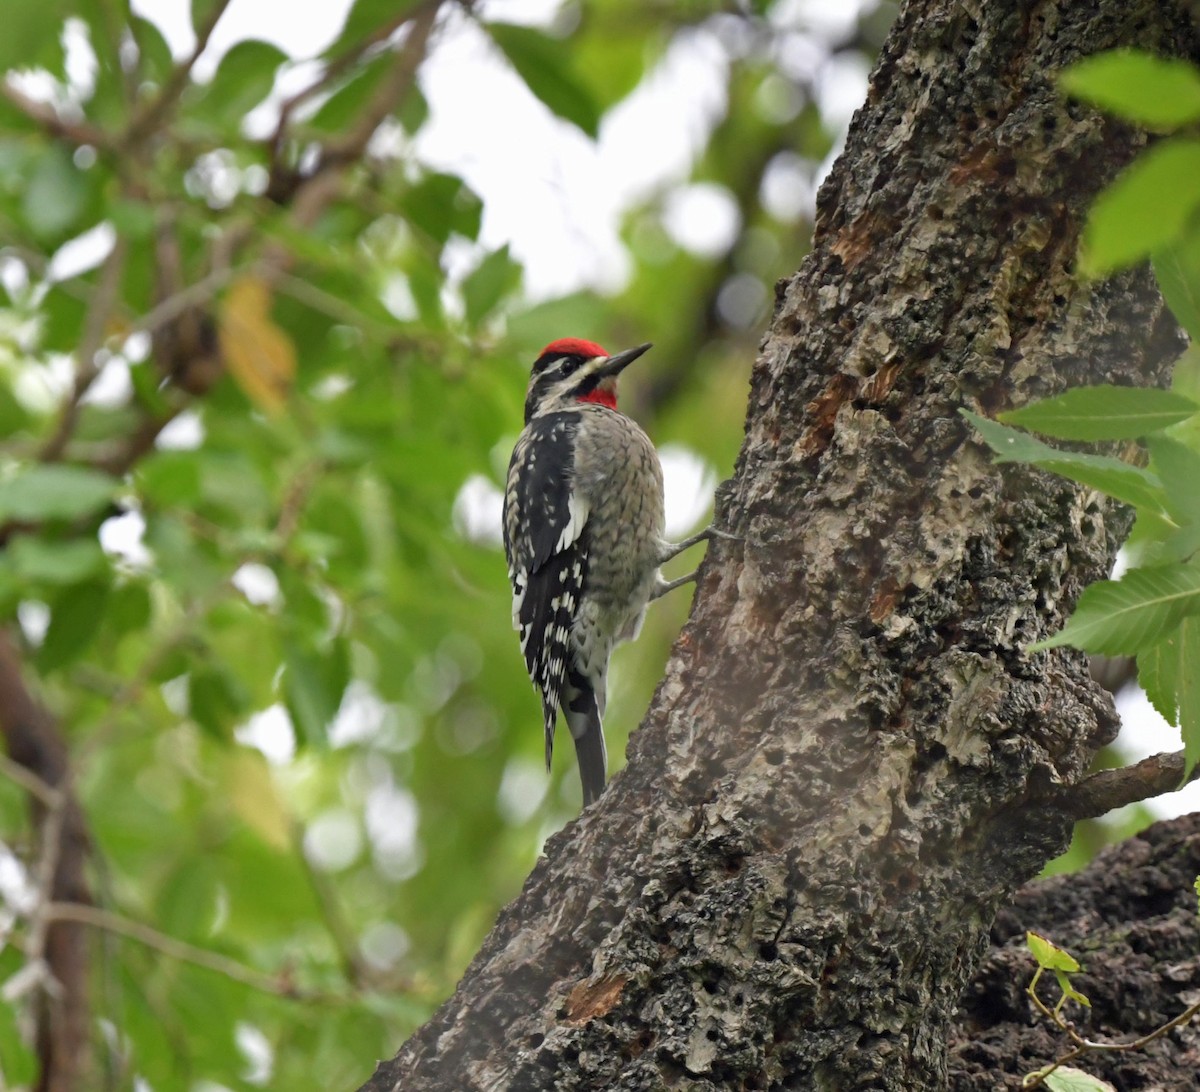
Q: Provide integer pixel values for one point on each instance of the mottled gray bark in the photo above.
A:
(850, 764)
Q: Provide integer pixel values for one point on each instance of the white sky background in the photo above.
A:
(558, 198)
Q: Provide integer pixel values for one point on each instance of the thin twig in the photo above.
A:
(45, 793)
(99, 315)
(181, 950)
(1083, 1045)
(147, 120)
(52, 122)
(323, 187)
(330, 909)
(332, 71)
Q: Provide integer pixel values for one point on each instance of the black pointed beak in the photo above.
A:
(617, 363)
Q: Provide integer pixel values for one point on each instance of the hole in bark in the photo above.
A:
(975, 492)
(864, 829)
(711, 1035)
(768, 953)
(739, 998)
(774, 757)
(935, 212)
(711, 983)
(536, 1040)
(991, 115)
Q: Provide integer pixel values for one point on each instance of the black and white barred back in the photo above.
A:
(546, 541)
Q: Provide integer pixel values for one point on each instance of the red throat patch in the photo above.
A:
(605, 393)
(603, 397)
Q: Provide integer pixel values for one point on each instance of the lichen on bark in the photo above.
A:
(849, 764)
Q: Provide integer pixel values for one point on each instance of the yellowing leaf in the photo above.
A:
(259, 355)
(254, 799)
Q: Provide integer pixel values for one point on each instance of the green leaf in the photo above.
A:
(1125, 483)
(54, 491)
(1177, 268)
(313, 685)
(1178, 468)
(55, 194)
(366, 16)
(1145, 209)
(1103, 412)
(1127, 616)
(1187, 640)
(544, 64)
(1048, 954)
(1158, 675)
(345, 104)
(1152, 91)
(1069, 991)
(215, 700)
(243, 79)
(37, 560)
(202, 11)
(496, 277)
(75, 619)
(31, 32)
(1067, 1078)
(129, 608)
(442, 204)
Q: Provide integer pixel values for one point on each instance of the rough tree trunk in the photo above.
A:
(850, 764)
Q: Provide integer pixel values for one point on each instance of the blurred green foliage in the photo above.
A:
(289, 407)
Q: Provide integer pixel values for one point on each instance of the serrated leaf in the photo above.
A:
(54, 491)
(544, 64)
(1130, 484)
(1048, 954)
(1177, 269)
(1158, 676)
(259, 354)
(1127, 616)
(1103, 412)
(1145, 209)
(1160, 93)
(1067, 1078)
(1178, 468)
(1188, 643)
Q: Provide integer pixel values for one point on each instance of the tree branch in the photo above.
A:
(52, 122)
(35, 744)
(1108, 789)
(147, 120)
(323, 187)
(100, 311)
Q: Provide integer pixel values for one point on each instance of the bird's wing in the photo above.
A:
(545, 539)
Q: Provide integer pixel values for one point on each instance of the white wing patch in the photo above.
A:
(577, 515)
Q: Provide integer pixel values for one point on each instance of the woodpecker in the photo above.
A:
(583, 534)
